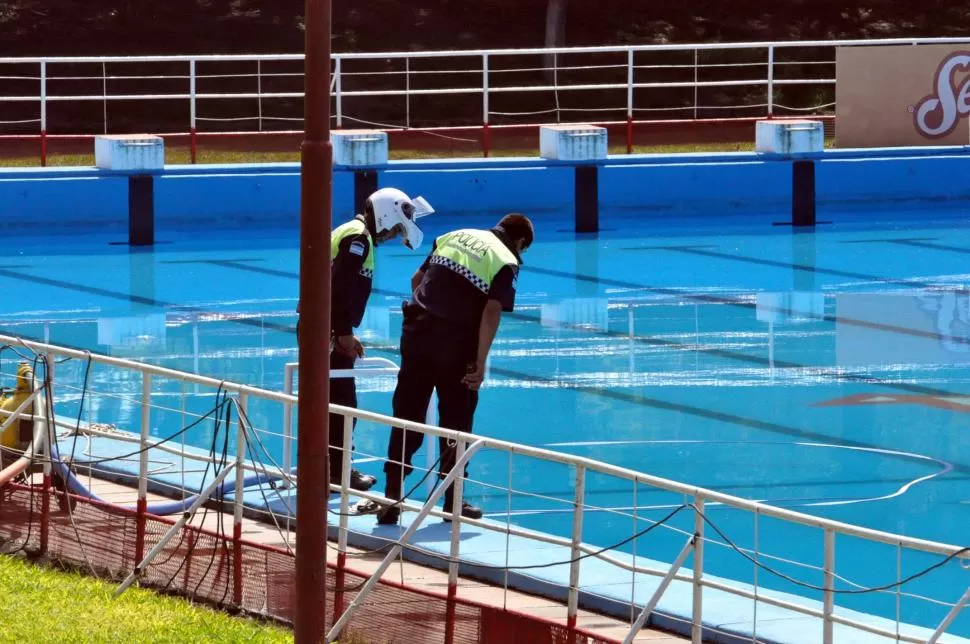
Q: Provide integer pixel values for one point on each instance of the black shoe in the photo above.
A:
(468, 511)
(389, 515)
(358, 481)
(386, 514)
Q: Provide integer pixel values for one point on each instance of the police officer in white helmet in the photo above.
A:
(388, 213)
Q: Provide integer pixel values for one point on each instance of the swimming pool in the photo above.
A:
(823, 372)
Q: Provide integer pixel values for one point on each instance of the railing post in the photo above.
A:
(43, 113)
(104, 93)
(288, 371)
(345, 468)
(629, 101)
(952, 615)
(771, 80)
(407, 92)
(237, 514)
(456, 505)
(486, 135)
(697, 614)
(50, 435)
(142, 506)
(828, 603)
(572, 604)
(454, 476)
(259, 91)
(431, 418)
(192, 119)
(338, 90)
(696, 55)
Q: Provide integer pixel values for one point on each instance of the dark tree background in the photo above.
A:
(132, 27)
(72, 27)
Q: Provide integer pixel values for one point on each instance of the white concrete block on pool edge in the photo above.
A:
(359, 147)
(789, 136)
(129, 152)
(572, 142)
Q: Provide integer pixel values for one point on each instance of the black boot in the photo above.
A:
(468, 510)
(358, 481)
(391, 514)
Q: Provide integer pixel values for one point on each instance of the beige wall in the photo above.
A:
(894, 96)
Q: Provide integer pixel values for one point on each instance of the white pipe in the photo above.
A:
(794, 44)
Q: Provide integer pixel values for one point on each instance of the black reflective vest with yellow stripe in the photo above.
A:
(460, 275)
(352, 282)
(477, 255)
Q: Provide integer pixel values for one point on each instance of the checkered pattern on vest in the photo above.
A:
(478, 282)
(367, 272)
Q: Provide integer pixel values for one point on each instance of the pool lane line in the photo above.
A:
(836, 376)
(931, 335)
(916, 242)
(635, 399)
(807, 268)
(919, 243)
(739, 303)
(5, 271)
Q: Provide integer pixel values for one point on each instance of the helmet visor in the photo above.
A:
(414, 209)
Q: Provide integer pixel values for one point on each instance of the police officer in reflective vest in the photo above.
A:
(388, 213)
(459, 293)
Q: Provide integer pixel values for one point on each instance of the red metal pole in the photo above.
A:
(45, 513)
(237, 576)
(310, 624)
(338, 594)
(192, 144)
(629, 135)
(43, 148)
(141, 507)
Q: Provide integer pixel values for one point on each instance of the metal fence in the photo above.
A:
(424, 90)
(143, 394)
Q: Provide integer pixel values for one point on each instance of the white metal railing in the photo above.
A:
(601, 84)
(364, 369)
(697, 501)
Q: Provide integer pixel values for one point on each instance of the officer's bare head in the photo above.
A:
(519, 230)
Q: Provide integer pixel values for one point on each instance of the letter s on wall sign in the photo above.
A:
(937, 115)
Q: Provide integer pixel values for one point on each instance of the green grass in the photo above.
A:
(43, 604)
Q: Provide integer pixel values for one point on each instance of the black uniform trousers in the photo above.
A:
(435, 355)
(343, 391)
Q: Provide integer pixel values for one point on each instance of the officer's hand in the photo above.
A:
(358, 347)
(476, 374)
(347, 345)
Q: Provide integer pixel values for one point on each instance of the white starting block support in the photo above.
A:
(140, 156)
(795, 136)
(129, 153)
(363, 151)
(585, 145)
(359, 148)
(572, 142)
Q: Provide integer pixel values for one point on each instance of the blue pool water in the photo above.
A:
(827, 372)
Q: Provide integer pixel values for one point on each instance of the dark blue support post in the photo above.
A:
(141, 210)
(365, 184)
(803, 194)
(587, 199)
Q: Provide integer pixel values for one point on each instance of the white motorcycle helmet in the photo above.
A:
(392, 207)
